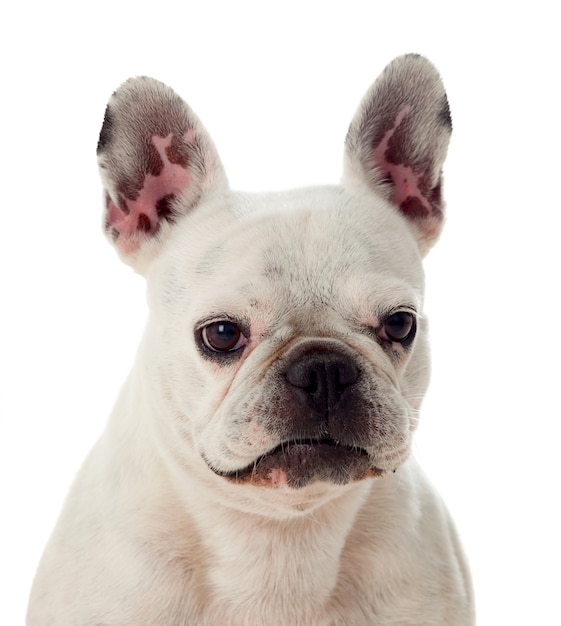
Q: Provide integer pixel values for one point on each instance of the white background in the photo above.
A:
(276, 84)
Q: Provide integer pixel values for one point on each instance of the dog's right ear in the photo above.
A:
(157, 162)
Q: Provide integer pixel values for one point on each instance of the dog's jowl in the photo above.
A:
(257, 468)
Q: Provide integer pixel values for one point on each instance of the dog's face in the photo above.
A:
(286, 346)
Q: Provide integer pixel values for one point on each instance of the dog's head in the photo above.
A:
(286, 345)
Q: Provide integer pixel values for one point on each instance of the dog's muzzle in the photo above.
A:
(323, 430)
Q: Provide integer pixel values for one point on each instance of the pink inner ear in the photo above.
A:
(143, 214)
(406, 192)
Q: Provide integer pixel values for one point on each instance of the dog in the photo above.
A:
(256, 468)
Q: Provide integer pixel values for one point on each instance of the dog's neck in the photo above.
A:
(298, 557)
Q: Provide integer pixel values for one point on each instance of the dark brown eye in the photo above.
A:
(400, 327)
(223, 337)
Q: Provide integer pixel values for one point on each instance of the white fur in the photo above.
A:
(151, 536)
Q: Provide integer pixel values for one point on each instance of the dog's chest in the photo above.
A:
(306, 590)
(326, 571)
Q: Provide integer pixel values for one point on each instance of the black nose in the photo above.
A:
(322, 378)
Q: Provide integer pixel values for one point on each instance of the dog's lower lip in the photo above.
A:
(323, 441)
(301, 461)
(285, 447)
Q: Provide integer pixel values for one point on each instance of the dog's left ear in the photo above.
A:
(398, 139)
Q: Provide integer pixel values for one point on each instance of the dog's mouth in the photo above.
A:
(296, 463)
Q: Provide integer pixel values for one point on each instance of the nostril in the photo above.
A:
(345, 374)
(312, 385)
(304, 375)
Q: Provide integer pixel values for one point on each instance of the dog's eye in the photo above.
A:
(223, 337)
(400, 327)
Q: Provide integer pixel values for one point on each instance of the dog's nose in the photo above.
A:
(321, 378)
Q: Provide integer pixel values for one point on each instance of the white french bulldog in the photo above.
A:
(256, 469)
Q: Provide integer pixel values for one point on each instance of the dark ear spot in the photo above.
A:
(156, 162)
(444, 116)
(106, 130)
(398, 139)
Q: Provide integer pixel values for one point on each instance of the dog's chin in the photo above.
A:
(296, 464)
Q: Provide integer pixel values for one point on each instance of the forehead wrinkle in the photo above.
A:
(207, 265)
